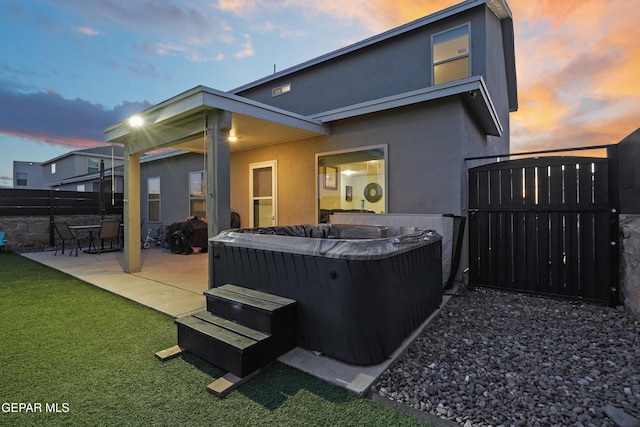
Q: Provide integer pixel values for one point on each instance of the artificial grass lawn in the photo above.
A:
(67, 342)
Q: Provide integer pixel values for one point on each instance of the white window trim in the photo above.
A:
(204, 193)
(385, 148)
(273, 164)
(93, 158)
(468, 54)
(26, 179)
(159, 200)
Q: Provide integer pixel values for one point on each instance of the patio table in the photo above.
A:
(91, 228)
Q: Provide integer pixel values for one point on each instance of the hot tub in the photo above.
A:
(361, 289)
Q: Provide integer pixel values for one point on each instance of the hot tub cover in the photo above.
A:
(338, 241)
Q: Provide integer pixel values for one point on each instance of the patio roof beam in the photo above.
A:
(248, 107)
(149, 138)
(166, 121)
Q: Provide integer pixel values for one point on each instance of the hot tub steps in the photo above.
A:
(241, 331)
(259, 310)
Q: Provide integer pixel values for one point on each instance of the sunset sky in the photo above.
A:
(70, 68)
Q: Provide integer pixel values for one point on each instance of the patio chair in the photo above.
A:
(65, 234)
(109, 230)
(2, 241)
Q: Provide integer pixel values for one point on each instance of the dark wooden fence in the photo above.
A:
(50, 203)
(20, 202)
(545, 225)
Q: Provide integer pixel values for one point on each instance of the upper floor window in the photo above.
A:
(451, 55)
(21, 178)
(53, 168)
(93, 165)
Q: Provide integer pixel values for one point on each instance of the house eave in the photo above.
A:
(78, 153)
(472, 90)
(498, 7)
(199, 100)
(92, 177)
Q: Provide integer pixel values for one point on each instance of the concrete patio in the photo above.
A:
(174, 285)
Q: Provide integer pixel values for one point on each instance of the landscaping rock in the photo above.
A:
(499, 358)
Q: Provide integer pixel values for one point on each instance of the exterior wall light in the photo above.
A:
(136, 121)
(232, 138)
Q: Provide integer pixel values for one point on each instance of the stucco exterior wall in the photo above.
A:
(426, 171)
(174, 186)
(33, 171)
(296, 180)
(393, 66)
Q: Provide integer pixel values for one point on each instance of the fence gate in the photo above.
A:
(546, 226)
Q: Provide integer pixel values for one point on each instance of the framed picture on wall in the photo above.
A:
(331, 177)
(348, 193)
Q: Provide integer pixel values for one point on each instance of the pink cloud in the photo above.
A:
(246, 48)
(69, 122)
(68, 142)
(88, 31)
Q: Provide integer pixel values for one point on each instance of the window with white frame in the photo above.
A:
(451, 55)
(53, 168)
(93, 165)
(80, 187)
(153, 199)
(197, 193)
(21, 179)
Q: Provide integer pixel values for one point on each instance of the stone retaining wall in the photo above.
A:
(31, 233)
(630, 263)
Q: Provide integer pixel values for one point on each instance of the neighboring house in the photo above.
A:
(383, 125)
(27, 175)
(77, 170)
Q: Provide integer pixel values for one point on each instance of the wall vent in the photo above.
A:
(281, 90)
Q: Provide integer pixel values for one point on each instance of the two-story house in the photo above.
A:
(383, 125)
(27, 175)
(77, 170)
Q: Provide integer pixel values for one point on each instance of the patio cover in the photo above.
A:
(201, 120)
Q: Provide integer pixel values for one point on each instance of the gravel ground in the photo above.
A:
(494, 358)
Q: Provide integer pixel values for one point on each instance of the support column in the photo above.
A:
(218, 171)
(132, 262)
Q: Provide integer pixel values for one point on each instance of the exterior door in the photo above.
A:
(263, 190)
